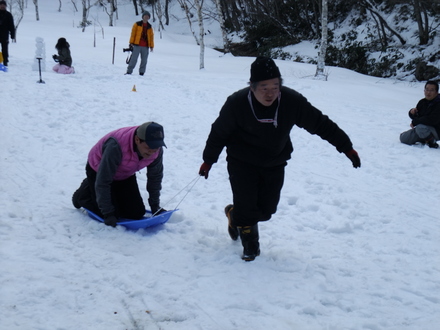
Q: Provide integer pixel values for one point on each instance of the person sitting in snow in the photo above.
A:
(425, 124)
(254, 124)
(110, 189)
(63, 58)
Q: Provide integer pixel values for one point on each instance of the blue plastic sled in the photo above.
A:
(145, 222)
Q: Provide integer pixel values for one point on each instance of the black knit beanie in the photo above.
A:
(264, 68)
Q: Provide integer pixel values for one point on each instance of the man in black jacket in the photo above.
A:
(6, 27)
(254, 125)
(425, 124)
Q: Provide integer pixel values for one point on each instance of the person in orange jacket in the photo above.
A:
(141, 42)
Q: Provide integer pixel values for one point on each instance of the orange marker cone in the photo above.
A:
(134, 88)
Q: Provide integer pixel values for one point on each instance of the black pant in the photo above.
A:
(256, 191)
(126, 197)
(5, 52)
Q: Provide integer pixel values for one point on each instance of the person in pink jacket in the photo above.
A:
(110, 189)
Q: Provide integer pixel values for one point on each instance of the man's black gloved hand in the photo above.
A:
(110, 220)
(354, 157)
(204, 170)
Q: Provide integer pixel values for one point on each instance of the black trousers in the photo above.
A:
(126, 197)
(5, 51)
(256, 191)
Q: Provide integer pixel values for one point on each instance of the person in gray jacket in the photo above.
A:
(110, 189)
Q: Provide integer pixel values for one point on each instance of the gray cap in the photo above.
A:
(152, 134)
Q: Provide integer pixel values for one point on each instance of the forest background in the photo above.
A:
(390, 38)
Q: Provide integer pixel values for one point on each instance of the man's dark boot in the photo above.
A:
(249, 239)
(232, 229)
(430, 141)
(80, 192)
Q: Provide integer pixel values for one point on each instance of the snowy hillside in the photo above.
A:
(348, 249)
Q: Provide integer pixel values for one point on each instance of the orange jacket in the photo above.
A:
(136, 33)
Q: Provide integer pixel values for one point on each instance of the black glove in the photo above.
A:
(110, 220)
(55, 57)
(354, 157)
(204, 170)
(157, 210)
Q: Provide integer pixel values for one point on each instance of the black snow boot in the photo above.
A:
(430, 141)
(249, 239)
(79, 193)
(232, 229)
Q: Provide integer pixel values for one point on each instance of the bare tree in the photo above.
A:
(74, 5)
(200, 39)
(109, 9)
(136, 10)
(189, 16)
(323, 48)
(221, 20)
(166, 13)
(37, 14)
(17, 10)
(422, 21)
(381, 23)
(160, 14)
(86, 5)
(201, 33)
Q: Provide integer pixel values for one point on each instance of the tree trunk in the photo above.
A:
(159, 15)
(188, 14)
(85, 14)
(109, 11)
(423, 26)
(381, 23)
(37, 14)
(323, 48)
(74, 5)
(167, 14)
(136, 11)
(222, 27)
(201, 33)
(18, 15)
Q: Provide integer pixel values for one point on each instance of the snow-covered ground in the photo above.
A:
(348, 249)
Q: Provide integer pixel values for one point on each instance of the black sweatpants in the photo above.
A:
(125, 196)
(5, 51)
(256, 191)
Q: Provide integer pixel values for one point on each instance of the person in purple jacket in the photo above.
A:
(110, 189)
